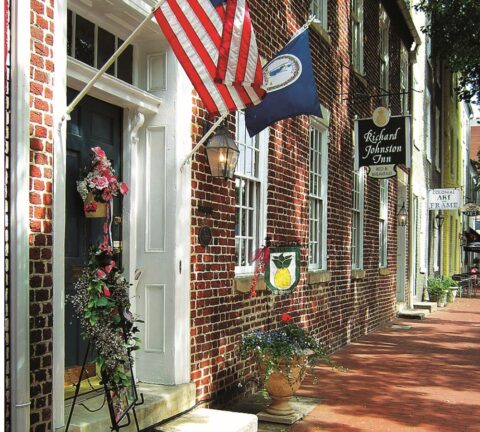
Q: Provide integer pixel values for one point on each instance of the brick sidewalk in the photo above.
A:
(426, 378)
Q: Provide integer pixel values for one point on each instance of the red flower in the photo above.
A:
(106, 291)
(101, 274)
(109, 268)
(90, 208)
(286, 317)
(123, 188)
(99, 152)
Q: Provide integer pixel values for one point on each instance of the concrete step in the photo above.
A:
(161, 402)
(430, 306)
(210, 420)
(413, 314)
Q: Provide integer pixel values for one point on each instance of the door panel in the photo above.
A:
(93, 123)
(155, 249)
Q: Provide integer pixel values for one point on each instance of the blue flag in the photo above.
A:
(217, 2)
(291, 88)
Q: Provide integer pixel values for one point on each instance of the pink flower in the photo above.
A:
(123, 188)
(99, 152)
(110, 267)
(100, 182)
(105, 247)
(106, 291)
(101, 274)
(286, 317)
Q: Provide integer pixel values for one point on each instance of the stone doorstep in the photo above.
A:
(413, 314)
(429, 306)
(210, 420)
(161, 402)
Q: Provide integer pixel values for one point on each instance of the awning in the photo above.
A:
(472, 247)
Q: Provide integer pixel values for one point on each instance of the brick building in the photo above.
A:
(195, 299)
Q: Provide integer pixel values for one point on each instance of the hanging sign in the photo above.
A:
(443, 199)
(282, 272)
(382, 148)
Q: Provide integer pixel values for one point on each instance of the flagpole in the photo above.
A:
(204, 138)
(114, 56)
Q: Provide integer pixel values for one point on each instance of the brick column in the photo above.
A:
(41, 200)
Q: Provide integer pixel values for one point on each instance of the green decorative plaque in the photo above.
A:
(282, 272)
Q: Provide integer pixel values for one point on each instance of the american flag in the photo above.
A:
(216, 47)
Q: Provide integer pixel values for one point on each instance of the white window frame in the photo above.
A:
(427, 116)
(358, 210)
(384, 54)
(318, 160)
(319, 9)
(383, 224)
(244, 141)
(357, 35)
(404, 79)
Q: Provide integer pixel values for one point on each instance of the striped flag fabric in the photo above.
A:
(216, 47)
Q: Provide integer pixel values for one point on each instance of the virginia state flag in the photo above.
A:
(291, 88)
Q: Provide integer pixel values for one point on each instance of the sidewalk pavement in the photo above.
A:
(408, 376)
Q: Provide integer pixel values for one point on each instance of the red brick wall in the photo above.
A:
(475, 143)
(40, 239)
(341, 310)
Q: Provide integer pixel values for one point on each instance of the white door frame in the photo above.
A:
(133, 101)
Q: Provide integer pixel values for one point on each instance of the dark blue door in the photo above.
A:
(93, 123)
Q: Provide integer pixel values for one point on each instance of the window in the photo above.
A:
(318, 176)
(384, 26)
(93, 46)
(357, 219)
(427, 124)
(383, 225)
(404, 86)
(357, 35)
(250, 193)
(318, 8)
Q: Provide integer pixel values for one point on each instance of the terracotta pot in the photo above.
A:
(101, 210)
(282, 385)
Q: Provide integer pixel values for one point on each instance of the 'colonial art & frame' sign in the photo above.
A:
(444, 199)
(382, 148)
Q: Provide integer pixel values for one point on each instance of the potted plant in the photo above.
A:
(437, 290)
(99, 185)
(452, 289)
(284, 354)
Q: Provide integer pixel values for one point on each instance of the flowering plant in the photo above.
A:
(282, 347)
(101, 302)
(100, 180)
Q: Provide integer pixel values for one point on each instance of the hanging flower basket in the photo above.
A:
(94, 209)
(99, 185)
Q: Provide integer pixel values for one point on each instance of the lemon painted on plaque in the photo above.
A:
(282, 272)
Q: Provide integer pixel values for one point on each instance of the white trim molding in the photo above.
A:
(19, 213)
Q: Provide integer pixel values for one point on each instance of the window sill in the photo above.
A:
(360, 77)
(322, 32)
(358, 274)
(384, 271)
(242, 283)
(318, 277)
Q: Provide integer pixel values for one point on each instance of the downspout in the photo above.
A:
(19, 222)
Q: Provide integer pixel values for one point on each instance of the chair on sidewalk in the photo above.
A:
(467, 282)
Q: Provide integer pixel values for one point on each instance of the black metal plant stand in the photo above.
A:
(120, 406)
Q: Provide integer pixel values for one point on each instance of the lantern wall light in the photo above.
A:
(402, 216)
(222, 154)
(439, 219)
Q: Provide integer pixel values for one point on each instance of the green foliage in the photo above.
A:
(437, 287)
(455, 33)
(102, 304)
(450, 282)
